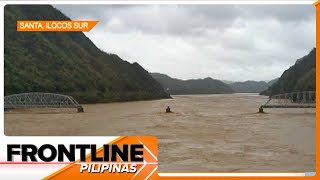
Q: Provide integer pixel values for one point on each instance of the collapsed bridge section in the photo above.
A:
(40, 100)
(305, 99)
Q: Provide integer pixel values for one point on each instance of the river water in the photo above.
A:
(205, 133)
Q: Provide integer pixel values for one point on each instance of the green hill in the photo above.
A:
(299, 77)
(68, 63)
(193, 86)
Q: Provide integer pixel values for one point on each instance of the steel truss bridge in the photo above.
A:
(40, 100)
(305, 99)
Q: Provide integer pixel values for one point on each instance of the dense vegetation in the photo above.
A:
(193, 86)
(299, 77)
(251, 86)
(68, 63)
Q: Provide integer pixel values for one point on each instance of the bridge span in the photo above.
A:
(40, 100)
(305, 99)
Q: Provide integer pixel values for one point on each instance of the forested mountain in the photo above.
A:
(68, 63)
(251, 86)
(299, 77)
(193, 86)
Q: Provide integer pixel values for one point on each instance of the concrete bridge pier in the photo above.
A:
(80, 109)
(261, 109)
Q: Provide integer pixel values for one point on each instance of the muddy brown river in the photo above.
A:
(205, 133)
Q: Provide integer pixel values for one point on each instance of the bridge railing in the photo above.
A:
(40, 100)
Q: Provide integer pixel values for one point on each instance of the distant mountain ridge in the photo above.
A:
(68, 63)
(251, 86)
(299, 77)
(175, 86)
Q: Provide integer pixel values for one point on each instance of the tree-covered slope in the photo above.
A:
(68, 63)
(193, 86)
(299, 77)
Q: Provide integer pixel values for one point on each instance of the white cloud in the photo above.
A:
(230, 42)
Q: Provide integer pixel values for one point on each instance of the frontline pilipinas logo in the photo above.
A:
(128, 157)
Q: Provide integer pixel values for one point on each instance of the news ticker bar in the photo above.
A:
(236, 174)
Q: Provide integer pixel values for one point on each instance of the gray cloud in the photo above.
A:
(234, 42)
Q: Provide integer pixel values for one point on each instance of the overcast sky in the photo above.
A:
(228, 42)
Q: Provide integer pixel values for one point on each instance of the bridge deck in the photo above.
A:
(39, 106)
(288, 106)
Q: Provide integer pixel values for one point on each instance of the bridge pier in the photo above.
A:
(80, 109)
(261, 109)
